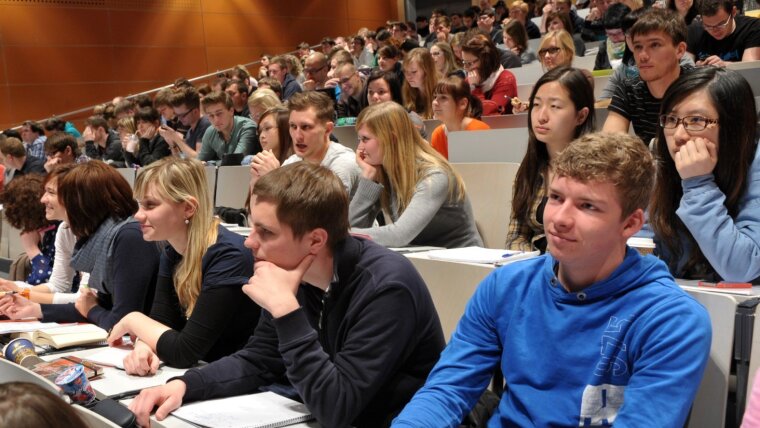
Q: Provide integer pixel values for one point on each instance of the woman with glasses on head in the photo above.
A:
(199, 311)
(489, 81)
(561, 109)
(556, 50)
(705, 211)
(445, 61)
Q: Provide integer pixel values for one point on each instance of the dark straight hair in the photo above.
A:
(732, 98)
(536, 159)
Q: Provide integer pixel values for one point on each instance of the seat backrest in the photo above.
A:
(492, 145)
(489, 187)
(231, 186)
(11, 372)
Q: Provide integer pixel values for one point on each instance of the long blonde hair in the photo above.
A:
(179, 181)
(419, 99)
(407, 158)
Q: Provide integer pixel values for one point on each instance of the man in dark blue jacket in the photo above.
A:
(349, 324)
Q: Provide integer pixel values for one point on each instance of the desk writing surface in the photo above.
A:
(115, 381)
(172, 422)
(451, 285)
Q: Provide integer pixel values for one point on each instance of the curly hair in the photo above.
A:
(21, 201)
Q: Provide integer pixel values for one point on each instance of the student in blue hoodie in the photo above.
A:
(589, 334)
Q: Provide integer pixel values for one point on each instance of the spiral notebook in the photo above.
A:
(262, 410)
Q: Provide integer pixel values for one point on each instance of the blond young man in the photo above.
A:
(591, 333)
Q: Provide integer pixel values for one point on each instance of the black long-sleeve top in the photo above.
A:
(223, 318)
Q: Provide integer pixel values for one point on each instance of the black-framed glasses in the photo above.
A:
(313, 70)
(690, 123)
(551, 51)
(720, 26)
(344, 80)
(184, 115)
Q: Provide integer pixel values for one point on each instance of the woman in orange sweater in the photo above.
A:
(457, 108)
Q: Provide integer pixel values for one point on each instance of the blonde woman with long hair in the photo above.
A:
(199, 311)
(420, 78)
(422, 199)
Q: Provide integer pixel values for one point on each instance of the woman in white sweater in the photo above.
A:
(63, 278)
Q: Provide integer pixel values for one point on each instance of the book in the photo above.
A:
(262, 410)
(51, 369)
(481, 255)
(62, 337)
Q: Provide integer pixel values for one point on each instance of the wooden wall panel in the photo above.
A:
(158, 63)
(156, 28)
(61, 55)
(41, 26)
(59, 64)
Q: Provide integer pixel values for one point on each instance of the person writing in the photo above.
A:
(99, 206)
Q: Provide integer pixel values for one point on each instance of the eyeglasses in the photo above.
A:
(615, 34)
(551, 51)
(436, 53)
(313, 70)
(344, 80)
(184, 115)
(690, 123)
(720, 26)
(468, 64)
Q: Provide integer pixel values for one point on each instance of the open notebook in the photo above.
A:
(65, 336)
(262, 410)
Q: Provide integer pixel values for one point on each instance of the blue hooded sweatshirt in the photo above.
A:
(630, 350)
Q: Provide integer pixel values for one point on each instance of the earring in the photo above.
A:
(187, 221)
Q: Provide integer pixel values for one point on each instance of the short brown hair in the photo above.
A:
(25, 404)
(96, 122)
(304, 206)
(187, 96)
(12, 146)
(620, 159)
(219, 97)
(163, 98)
(57, 143)
(93, 192)
(664, 20)
(21, 201)
(320, 102)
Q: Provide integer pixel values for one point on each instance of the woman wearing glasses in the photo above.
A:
(489, 81)
(556, 50)
(705, 211)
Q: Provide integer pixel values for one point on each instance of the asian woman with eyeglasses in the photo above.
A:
(705, 211)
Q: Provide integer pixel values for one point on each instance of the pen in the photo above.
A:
(6, 293)
(124, 395)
